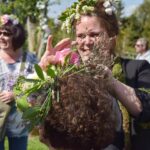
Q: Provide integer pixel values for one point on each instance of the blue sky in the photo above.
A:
(130, 6)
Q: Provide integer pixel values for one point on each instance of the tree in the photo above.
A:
(135, 26)
(120, 8)
(143, 16)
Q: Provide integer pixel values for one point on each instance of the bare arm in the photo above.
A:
(127, 96)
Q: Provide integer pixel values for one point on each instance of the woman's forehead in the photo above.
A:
(141, 42)
(89, 23)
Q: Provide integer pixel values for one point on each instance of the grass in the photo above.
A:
(33, 144)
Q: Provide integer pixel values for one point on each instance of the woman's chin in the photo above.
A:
(3, 47)
(85, 56)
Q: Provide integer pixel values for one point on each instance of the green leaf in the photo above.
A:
(33, 89)
(70, 68)
(31, 112)
(34, 122)
(39, 71)
(47, 104)
(51, 72)
(22, 103)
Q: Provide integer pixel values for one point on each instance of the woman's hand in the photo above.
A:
(125, 94)
(100, 71)
(7, 96)
(49, 55)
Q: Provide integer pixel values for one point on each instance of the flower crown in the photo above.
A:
(82, 7)
(9, 19)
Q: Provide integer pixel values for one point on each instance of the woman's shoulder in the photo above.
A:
(134, 61)
(136, 64)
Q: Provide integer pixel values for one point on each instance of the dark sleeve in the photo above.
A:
(143, 74)
(130, 69)
(143, 81)
(137, 73)
(145, 100)
(119, 136)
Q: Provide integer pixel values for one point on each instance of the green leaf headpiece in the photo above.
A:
(83, 7)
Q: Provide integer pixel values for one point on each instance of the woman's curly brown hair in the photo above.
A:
(110, 22)
(83, 119)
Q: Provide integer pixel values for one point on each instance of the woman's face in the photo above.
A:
(5, 40)
(88, 32)
(140, 47)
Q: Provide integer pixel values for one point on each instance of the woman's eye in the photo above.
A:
(99, 34)
(94, 35)
(81, 36)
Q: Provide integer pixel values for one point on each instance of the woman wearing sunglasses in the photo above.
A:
(13, 62)
(88, 28)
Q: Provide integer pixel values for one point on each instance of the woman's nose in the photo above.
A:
(88, 40)
(1, 35)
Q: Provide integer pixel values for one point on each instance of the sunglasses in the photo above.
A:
(5, 33)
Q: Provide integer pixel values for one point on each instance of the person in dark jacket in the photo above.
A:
(137, 75)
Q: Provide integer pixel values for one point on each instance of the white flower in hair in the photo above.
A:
(82, 7)
(14, 19)
(109, 7)
(107, 4)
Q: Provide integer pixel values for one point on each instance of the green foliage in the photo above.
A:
(36, 113)
(120, 8)
(51, 72)
(72, 13)
(135, 26)
(143, 16)
(40, 89)
(35, 144)
(39, 71)
(22, 104)
(21, 8)
(32, 112)
(117, 71)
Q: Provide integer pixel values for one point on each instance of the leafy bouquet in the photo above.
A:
(34, 93)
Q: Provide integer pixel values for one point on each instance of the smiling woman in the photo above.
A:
(5, 39)
(87, 116)
(12, 38)
(96, 29)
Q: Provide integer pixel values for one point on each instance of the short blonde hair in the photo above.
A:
(144, 41)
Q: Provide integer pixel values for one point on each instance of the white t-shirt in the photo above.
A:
(144, 56)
